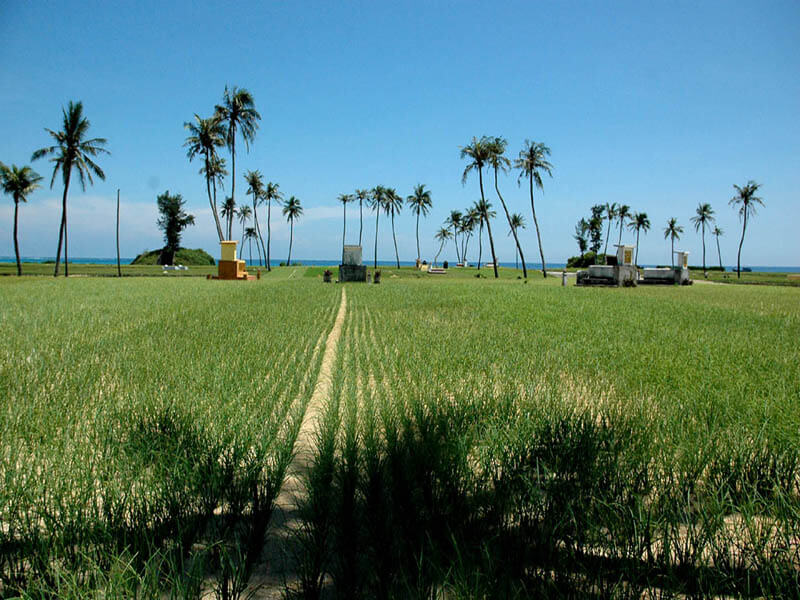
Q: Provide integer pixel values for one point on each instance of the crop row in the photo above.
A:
(146, 428)
(499, 441)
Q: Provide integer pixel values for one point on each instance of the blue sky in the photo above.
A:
(656, 105)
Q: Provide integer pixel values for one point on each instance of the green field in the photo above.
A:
(482, 439)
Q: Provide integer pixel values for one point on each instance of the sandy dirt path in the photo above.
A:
(276, 569)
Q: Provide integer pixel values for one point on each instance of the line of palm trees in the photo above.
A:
(235, 118)
(746, 201)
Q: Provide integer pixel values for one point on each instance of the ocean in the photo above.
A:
(384, 263)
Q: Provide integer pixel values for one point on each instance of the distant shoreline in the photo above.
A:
(381, 263)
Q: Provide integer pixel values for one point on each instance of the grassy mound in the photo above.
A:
(184, 256)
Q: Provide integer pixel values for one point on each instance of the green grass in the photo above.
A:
(753, 278)
(483, 439)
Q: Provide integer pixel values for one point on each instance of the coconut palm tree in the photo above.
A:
(244, 213)
(292, 211)
(485, 215)
(271, 192)
(673, 231)
(255, 186)
(205, 136)
(18, 182)
(344, 199)
(516, 222)
(237, 113)
(228, 212)
(363, 196)
(376, 203)
(611, 214)
(716, 233)
(498, 161)
(249, 235)
(72, 150)
(393, 204)
(532, 162)
(466, 228)
(747, 200)
(442, 236)
(639, 223)
(420, 203)
(478, 153)
(704, 214)
(214, 170)
(623, 215)
(454, 220)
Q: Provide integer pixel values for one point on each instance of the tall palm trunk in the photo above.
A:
(375, 259)
(672, 254)
(738, 256)
(539, 235)
(513, 229)
(488, 225)
(465, 249)
(608, 231)
(291, 236)
(16, 243)
(703, 225)
(516, 260)
(455, 241)
(480, 244)
(250, 245)
(212, 203)
(259, 237)
(719, 254)
(344, 227)
(63, 228)
(233, 177)
(636, 260)
(360, 220)
(241, 244)
(394, 237)
(417, 236)
(269, 232)
(435, 258)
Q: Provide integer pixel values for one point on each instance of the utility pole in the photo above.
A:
(119, 269)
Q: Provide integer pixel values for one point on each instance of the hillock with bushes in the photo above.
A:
(183, 256)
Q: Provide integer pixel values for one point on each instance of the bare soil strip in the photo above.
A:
(276, 570)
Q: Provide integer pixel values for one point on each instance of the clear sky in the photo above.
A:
(656, 105)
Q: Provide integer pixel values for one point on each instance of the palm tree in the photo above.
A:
(255, 186)
(237, 112)
(72, 150)
(466, 228)
(611, 214)
(292, 211)
(497, 148)
(478, 152)
(442, 236)
(205, 136)
(638, 223)
(485, 215)
(532, 162)
(454, 220)
(673, 231)
(623, 214)
(344, 199)
(18, 182)
(271, 192)
(249, 235)
(244, 213)
(393, 204)
(363, 196)
(704, 214)
(420, 203)
(716, 233)
(517, 221)
(214, 170)
(747, 199)
(228, 212)
(376, 203)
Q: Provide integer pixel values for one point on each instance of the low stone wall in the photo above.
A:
(353, 273)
